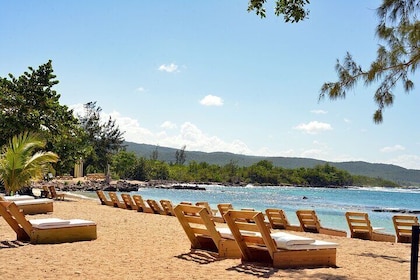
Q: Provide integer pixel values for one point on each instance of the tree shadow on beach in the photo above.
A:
(201, 257)
(390, 258)
(261, 271)
(12, 244)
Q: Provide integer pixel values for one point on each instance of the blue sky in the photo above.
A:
(213, 77)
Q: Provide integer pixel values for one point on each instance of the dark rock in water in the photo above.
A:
(304, 197)
(396, 210)
(187, 187)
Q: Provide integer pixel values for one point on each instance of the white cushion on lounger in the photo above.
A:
(33, 201)
(18, 197)
(284, 239)
(49, 223)
(59, 223)
(318, 244)
(289, 241)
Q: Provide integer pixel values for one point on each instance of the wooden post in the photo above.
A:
(414, 252)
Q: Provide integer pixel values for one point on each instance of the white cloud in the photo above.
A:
(170, 68)
(168, 125)
(395, 148)
(313, 127)
(319, 112)
(187, 134)
(211, 100)
(140, 89)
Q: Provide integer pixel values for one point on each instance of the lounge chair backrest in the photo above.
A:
(54, 193)
(308, 220)
(104, 200)
(154, 205)
(129, 203)
(46, 192)
(403, 227)
(196, 222)
(116, 201)
(206, 205)
(167, 207)
(249, 230)
(16, 219)
(277, 218)
(224, 207)
(142, 207)
(359, 225)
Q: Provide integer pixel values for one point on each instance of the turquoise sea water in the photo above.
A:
(329, 203)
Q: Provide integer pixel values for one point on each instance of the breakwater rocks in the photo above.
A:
(120, 186)
(182, 187)
(397, 210)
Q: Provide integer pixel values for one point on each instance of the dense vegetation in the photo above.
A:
(126, 165)
(29, 104)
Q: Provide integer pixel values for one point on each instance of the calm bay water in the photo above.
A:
(329, 203)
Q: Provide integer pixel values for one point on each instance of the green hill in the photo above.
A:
(400, 175)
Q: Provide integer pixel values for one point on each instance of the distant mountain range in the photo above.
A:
(400, 175)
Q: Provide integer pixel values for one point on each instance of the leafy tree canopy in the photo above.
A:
(292, 10)
(29, 103)
(102, 139)
(397, 57)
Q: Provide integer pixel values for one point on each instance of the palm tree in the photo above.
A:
(21, 161)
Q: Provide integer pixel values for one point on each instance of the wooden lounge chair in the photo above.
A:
(45, 193)
(116, 202)
(223, 208)
(54, 194)
(309, 222)
(280, 249)
(128, 201)
(31, 206)
(141, 205)
(202, 232)
(43, 231)
(211, 211)
(167, 207)
(278, 220)
(156, 208)
(403, 227)
(104, 200)
(360, 227)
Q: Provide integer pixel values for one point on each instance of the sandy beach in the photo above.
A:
(134, 245)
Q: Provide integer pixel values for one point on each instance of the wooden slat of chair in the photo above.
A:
(54, 194)
(278, 220)
(310, 222)
(104, 200)
(223, 208)
(202, 232)
(167, 207)
(360, 227)
(129, 203)
(23, 234)
(154, 205)
(403, 227)
(116, 201)
(142, 207)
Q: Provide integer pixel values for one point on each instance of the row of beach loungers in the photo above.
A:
(256, 236)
